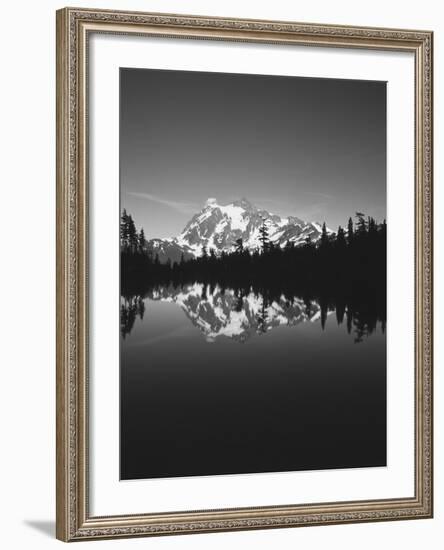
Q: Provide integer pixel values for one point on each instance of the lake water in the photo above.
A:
(215, 381)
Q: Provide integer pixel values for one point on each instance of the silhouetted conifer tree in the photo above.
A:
(263, 232)
(340, 239)
(324, 235)
(132, 234)
(141, 240)
(124, 235)
(350, 231)
(361, 226)
(371, 226)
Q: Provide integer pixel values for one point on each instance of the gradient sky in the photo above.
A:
(308, 147)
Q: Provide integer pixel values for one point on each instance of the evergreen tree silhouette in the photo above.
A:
(324, 235)
(124, 236)
(361, 226)
(371, 224)
(341, 243)
(350, 231)
(132, 234)
(263, 232)
(141, 242)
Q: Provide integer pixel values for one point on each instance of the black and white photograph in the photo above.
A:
(226, 212)
(253, 273)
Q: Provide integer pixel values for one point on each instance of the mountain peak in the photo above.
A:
(244, 203)
(211, 202)
(218, 227)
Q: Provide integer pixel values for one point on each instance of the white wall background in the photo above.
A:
(27, 130)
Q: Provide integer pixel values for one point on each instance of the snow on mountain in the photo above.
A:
(170, 249)
(223, 313)
(217, 227)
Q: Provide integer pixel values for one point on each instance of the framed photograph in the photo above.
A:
(244, 274)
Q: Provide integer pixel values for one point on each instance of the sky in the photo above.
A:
(307, 147)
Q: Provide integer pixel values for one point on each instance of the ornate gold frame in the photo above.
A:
(73, 519)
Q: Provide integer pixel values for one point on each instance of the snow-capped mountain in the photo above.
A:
(220, 313)
(218, 227)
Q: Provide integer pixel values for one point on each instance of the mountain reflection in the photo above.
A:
(241, 313)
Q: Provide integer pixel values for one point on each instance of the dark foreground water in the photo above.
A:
(213, 382)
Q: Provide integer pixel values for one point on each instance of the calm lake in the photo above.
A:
(217, 381)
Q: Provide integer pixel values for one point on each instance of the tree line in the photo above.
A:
(344, 271)
(356, 255)
(361, 319)
(131, 240)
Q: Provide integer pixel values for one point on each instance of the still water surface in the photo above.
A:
(214, 381)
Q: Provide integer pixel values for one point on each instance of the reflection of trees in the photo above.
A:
(262, 317)
(343, 273)
(130, 308)
(365, 324)
(204, 295)
(340, 311)
(323, 303)
(362, 311)
(239, 294)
